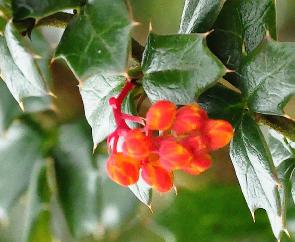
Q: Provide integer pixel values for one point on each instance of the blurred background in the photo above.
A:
(207, 208)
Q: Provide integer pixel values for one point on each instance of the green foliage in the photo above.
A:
(179, 67)
(48, 162)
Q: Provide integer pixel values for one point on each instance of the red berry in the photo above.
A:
(136, 145)
(156, 176)
(161, 115)
(122, 169)
(174, 155)
(218, 133)
(189, 118)
(200, 163)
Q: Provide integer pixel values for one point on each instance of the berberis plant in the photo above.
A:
(222, 78)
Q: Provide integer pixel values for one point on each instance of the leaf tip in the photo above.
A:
(51, 94)
(253, 216)
(207, 33)
(21, 105)
(135, 24)
(150, 27)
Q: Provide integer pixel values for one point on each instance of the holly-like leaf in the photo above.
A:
(280, 147)
(268, 77)
(37, 224)
(77, 180)
(19, 69)
(199, 15)
(179, 67)
(20, 150)
(36, 9)
(142, 191)
(94, 43)
(8, 107)
(256, 172)
(242, 24)
(222, 103)
(96, 92)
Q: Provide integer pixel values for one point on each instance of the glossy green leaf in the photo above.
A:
(8, 107)
(78, 185)
(38, 224)
(94, 43)
(179, 67)
(280, 147)
(20, 150)
(256, 172)
(268, 77)
(199, 15)
(36, 9)
(19, 69)
(242, 24)
(222, 103)
(96, 92)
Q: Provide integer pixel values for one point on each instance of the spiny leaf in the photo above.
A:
(255, 171)
(19, 69)
(20, 150)
(96, 92)
(179, 67)
(222, 103)
(38, 225)
(268, 77)
(242, 24)
(77, 180)
(95, 43)
(36, 9)
(8, 107)
(199, 15)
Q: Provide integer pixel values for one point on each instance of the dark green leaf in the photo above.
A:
(241, 24)
(20, 150)
(179, 67)
(36, 9)
(255, 171)
(77, 180)
(8, 107)
(268, 77)
(95, 93)
(19, 69)
(94, 43)
(222, 103)
(38, 225)
(199, 15)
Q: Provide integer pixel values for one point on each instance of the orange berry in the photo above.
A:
(200, 163)
(196, 143)
(189, 118)
(156, 176)
(218, 133)
(122, 169)
(161, 115)
(174, 155)
(136, 145)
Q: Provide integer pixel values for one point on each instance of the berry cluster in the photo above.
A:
(170, 139)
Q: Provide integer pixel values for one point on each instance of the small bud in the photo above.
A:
(174, 155)
(218, 133)
(188, 119)
(200, 163)
(156, 176)
(122, 169)
(136, 145)
(161, 115)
